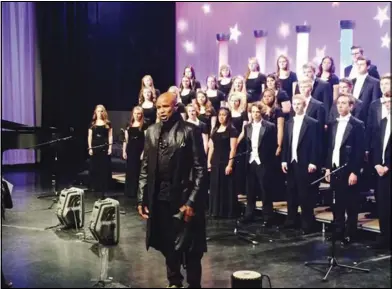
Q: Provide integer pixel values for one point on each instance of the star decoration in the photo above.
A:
(284, 30)
(206, 8)
(382, 15)
(320, 53)
(189, 47)
(182, 26)
(235, 33)
(335, 4)
(386, 41)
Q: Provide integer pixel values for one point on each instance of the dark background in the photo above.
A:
(96, 53)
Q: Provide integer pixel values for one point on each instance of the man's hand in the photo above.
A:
(380, 170)
(353, 179)
(312, 168)
(188, 213)
(284, 168)
(327, 175)
(141, 213)
(278, 151)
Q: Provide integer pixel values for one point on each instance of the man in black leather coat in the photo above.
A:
(171, 180)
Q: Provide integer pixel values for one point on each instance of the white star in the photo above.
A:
(235, 33)
(320, 53)
(189, 47)
(182, 26)
(382, 15)
(386, 41)
(206, 8)
(335, 4)
(284, 30)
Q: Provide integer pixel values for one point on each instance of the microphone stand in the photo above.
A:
(332, 261)
(240, 233)
(54, 174)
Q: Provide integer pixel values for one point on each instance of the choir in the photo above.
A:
(261, 132)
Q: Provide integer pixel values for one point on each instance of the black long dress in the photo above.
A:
(225, 88)
(286, 84)
(100, 167)
(134, 150)
(253, 88)
(150, 115)
(276, 174)
(223, 199)
(240, 177)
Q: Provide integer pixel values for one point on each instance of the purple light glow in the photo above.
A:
(372, 32)
(18, 71)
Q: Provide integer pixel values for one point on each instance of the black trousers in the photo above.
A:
(300, 193)
(346, 200)
(256, 181)
(165, 230)
(384, 206)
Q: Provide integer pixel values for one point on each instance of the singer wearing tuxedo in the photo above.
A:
(300, 163)
(346, 146)
(382, 164)
(171, 177)
(261, 142)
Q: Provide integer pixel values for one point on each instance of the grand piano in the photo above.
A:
(19, 136)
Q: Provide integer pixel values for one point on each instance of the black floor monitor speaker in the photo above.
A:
(70, 208)
(105, 221)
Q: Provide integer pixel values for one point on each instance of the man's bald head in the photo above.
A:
(166, 105)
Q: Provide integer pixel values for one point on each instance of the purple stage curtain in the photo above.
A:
(18, 71)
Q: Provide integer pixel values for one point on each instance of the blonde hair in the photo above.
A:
(252, 59)
(237, 96)
(105, 116)
(141, 96)
(132, 120)
(154, 97)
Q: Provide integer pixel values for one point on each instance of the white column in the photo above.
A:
(223, 48)
(346, 42)
(303, 32)
(261, 48)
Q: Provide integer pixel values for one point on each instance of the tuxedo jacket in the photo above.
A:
(267, 142)
(352, 149)
(370, 91)
(308, 146)
(373, 121)
(372, 70)
(323, 92)
(357, 112)
(378, 145)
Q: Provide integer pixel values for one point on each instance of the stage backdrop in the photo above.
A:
(198, 24)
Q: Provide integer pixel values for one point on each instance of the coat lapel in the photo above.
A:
(250, 130)
(379, 110)
(290, 131)
(346, 134)
(302, 131)
(309, 109)
(334, 130)
(262, 132)
(365, 83)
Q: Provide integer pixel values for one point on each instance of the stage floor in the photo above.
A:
(34, 257)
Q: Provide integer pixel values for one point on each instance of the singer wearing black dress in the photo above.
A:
(346, 146)
(100, 139)
(132, 151)
(222, 148)
(255, 81)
